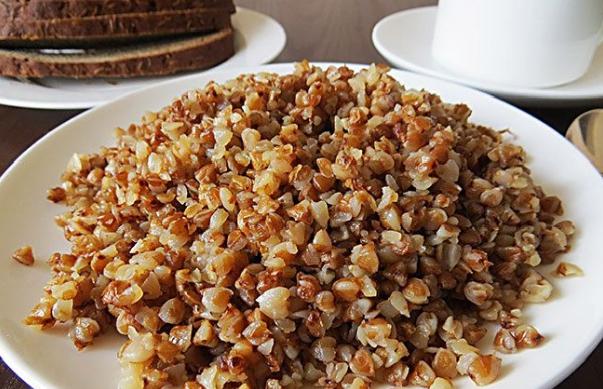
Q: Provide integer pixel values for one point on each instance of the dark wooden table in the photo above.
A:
(319, 30)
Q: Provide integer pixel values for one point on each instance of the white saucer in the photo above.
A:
(404, 39)
(258, 40)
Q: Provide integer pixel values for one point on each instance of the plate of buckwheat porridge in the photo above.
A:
(300, 225)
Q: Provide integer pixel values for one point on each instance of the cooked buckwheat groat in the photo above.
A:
(325, 226)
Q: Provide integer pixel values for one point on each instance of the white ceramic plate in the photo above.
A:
(258, 40)
(404, 39)
(572, 321)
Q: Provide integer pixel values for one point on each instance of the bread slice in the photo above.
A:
(95, 30)
(167, 56)
(62, 9)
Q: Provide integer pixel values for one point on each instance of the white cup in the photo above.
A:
(528, 43)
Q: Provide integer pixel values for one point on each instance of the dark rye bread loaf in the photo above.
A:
(94, 30)
(61, 9)
(167, 56)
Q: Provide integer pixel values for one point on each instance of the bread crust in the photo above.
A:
(96, 30)
(61, 9)
(167, 57)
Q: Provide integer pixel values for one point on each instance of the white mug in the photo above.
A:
(528, 43)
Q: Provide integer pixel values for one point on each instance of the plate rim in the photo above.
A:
(280, 41)
(514, 93)
(12, 358)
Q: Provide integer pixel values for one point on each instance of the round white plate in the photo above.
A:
(572, 321)
(258, 40)
(404, 39)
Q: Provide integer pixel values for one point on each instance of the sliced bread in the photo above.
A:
(166, 56)
(62, 9)
(94, 30)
